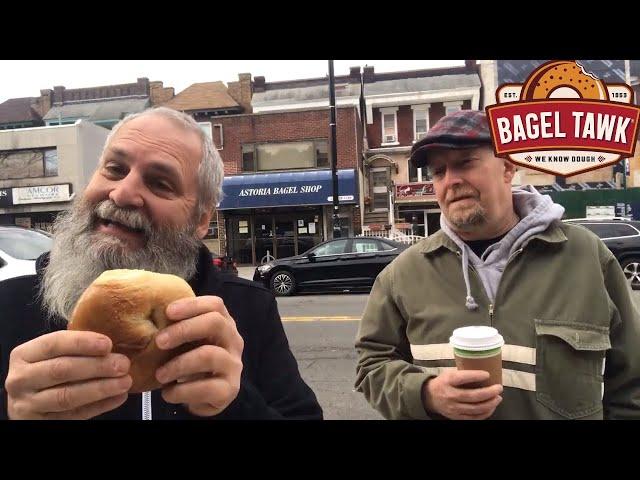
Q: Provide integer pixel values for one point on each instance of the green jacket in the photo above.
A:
(563, 307)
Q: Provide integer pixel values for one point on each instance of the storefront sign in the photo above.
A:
(41, 194)
(287, 189)
(5, 197)
(408, 190)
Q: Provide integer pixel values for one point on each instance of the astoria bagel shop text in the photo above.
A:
(251, 192)
(549, 125)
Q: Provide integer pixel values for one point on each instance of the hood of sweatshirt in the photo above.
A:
(536, 212)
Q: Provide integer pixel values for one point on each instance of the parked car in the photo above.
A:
(19, 249)
(622, 237)
(225, 263)
(335, 265)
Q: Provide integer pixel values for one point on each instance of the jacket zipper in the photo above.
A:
(146, 405)
(491, 306)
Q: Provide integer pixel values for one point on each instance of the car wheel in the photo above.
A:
(631, 269)
(283, 283)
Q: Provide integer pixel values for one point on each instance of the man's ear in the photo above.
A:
(203, 223)
(509, 171)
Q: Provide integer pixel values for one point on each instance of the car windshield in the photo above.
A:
(24, 244)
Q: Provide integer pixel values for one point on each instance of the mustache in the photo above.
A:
(460, 194)
(131, 218)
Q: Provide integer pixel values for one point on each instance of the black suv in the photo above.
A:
(622, 236)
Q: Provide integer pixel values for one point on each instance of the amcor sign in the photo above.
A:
(41, 194)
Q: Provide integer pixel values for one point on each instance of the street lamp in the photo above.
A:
(334, 151)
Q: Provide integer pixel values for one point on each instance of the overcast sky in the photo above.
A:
(25, 78)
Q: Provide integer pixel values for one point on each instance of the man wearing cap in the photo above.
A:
(502, 259)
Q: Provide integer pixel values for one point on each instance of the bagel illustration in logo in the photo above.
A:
(563, 120)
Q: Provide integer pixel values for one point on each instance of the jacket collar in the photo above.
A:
(553, 234)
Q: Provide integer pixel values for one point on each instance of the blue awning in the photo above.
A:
(287, 189)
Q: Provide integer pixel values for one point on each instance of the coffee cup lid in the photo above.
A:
(476, 338)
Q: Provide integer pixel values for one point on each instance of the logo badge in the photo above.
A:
(564, 121)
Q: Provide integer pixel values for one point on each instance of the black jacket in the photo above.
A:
(271, 385)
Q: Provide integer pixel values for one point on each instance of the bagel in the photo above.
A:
(554, 75)
(129, 307)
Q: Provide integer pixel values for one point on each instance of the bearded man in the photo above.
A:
(147, 206)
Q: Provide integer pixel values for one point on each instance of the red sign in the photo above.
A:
(564, 121)
(407, 190)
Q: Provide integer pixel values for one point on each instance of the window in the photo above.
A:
(450, 107)
(420, 121)
(51, 163)
(386, 247)
(322, 154)
(212, 232)
(218, 139)
(28, 163)
(365, 245)
(248, 161)
(24, 244)
(389, 125)
(206, 128)
(608, 230)
(285, 156)
(418, 174)
(331, 248)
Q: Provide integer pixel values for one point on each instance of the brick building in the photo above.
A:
(278, 184)
(400, 109)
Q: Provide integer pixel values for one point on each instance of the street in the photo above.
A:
(321, 330)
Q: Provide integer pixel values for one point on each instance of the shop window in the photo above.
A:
(212, 232)
(266, 157)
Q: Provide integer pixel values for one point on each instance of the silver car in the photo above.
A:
(19, 249)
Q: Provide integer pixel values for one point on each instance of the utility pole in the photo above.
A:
(334, 151)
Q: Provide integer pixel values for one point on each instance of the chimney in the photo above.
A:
(158, 94)
(354, 74)
(44, 102)
(143, 87)
(58, 95)
(368, 74)
(245, 92)
(259, 84)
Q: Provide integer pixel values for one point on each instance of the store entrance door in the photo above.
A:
(239, 235)
(265, 240)
(285, 238)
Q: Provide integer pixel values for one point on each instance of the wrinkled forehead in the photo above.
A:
(156, 132)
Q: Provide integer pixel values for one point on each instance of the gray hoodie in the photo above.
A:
(536, 213)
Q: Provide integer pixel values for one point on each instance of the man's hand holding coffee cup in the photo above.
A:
(472, 391)
(449, 395)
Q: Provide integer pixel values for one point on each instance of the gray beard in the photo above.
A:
(79, 255)
(470, 221)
